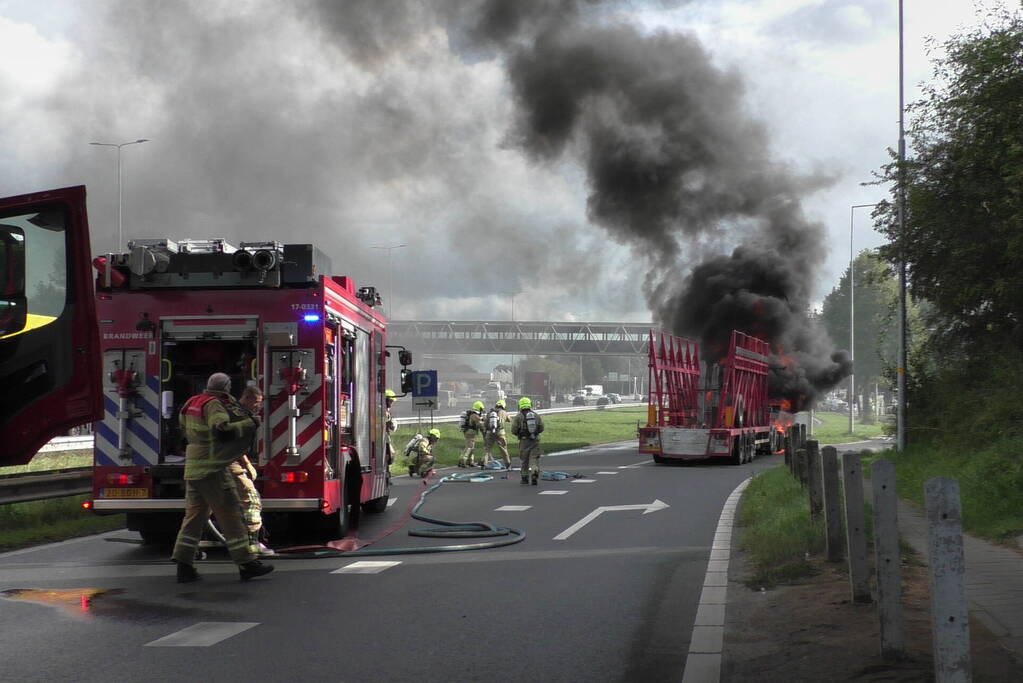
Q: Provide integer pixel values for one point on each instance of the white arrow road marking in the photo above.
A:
(647, 508)
(203, 634)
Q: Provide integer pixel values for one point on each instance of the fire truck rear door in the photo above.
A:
(49, 344)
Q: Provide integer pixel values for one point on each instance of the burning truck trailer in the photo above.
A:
(270, 316)
(706, 410)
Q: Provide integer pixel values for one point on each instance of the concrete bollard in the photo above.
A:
(855, 534)
(813, 476)
(832, 504)
(950, 621)
(888, 560)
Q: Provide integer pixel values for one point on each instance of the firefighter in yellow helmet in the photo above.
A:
(214, 442)
(527, 426)
(423, 460)
(493, 434)
(471, 426)
(389, 425)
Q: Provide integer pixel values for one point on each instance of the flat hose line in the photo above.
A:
(445, 529)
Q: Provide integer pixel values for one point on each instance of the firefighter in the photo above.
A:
(471, 425)
(493, 434)
(389, 426)
(527, 426)
(214, 442)
(244, 473)
(423, 458)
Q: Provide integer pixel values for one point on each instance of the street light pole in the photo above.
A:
(390, 277)
(119, 145)
(852, 315)
(901, 365)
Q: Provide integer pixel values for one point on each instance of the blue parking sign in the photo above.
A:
(424, 384)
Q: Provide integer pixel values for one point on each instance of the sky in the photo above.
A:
(547, 160)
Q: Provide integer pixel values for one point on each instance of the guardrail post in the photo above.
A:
(801, 466)
(888, 559)
(790, 446)
(813, 475)
(832, 503)
(855, 534)
(950, 623)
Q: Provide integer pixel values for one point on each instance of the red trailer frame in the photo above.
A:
(707, 410)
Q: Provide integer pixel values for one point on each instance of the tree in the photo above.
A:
(963, 241)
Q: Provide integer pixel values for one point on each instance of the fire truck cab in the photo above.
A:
(171, 313)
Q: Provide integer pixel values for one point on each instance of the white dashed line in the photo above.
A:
(583, 481)
(367, 567)
(607, 473)
(203, 634)
(553, 492)
(703, 665)
(391, 501)
(512, 508)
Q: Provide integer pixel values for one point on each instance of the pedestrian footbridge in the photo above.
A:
(538, 338)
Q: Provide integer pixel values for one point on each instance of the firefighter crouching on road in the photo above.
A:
(493, 434)
(471, 425)
(244, 473)
(214, 442)
(527, 426)
(422, 460)
(389, 426)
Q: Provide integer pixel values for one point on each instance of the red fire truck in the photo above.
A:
(701, 410)
(170, 313)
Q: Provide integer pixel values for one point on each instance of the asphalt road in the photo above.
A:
(615, 600)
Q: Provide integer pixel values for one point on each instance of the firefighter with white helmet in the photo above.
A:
(471, 424)
(423, 458)
(493, 434)
(214, 442)
(527, 426)
(389, 425)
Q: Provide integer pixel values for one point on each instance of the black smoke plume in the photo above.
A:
(677, 169)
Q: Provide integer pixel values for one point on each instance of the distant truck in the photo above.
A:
(537, 386)
(594, 389)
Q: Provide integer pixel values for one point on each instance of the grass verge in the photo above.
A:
(52, 461)
(562, 432)
(776, 530)
(45, 521)
(834, 428)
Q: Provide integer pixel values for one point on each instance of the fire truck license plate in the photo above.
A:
(125, 493)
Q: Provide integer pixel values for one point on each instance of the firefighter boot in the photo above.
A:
(536, 477)
(254, 568)
(187, 573)
(525, 479)
(411, 470)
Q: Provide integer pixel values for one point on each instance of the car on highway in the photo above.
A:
(578, 400)
(604, 401)
(614, 398)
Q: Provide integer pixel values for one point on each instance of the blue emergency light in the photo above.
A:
(311, 317)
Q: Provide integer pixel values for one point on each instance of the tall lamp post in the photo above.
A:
(852, 315)
(119, 145)
(390, 277)
(900, 432)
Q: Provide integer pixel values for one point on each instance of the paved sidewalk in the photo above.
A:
(994, 577)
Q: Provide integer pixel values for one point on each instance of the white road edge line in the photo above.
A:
(703, 665)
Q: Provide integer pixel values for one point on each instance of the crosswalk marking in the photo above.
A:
(512, 508)
(367, 567)
(203, 634)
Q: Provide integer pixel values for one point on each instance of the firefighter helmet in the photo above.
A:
(478, 406)
(435, 433)
(389, 394)
(525, 402)
(500, 403)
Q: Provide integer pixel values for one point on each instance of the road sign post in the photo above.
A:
(424, 389)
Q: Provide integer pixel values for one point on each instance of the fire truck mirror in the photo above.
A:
(406, 381)
(405, 357)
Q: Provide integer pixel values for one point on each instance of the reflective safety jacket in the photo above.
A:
(218, 432)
